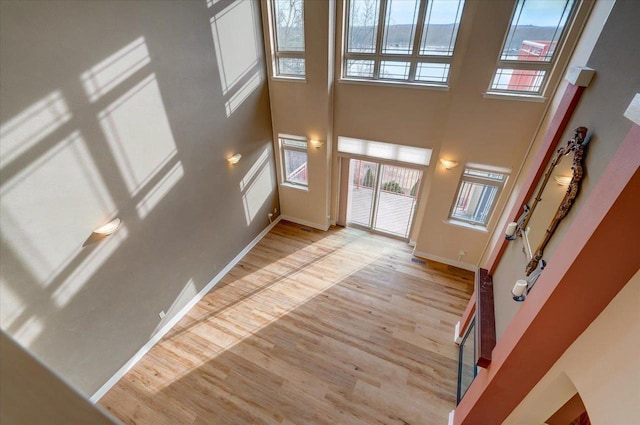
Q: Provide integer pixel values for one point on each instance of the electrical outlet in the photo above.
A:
(275, 211)
(162, 314)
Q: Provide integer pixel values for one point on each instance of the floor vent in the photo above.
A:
(417, 260)
(306, 229)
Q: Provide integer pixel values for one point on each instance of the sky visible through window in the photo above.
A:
(534, 36)
(538, 12)
(404, 11)
(392, 37)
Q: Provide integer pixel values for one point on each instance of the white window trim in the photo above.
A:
(514, 96)
(466, 225)
(559, 55)
(413, 58)
(395, 83)
(283, 54)
(474, 179)
(283, 161)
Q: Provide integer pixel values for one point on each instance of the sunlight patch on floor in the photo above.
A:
(249, 315)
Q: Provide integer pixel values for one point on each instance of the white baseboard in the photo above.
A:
(451, 416)
(166, 328)
(323, 227)
(456, 334)
(460, 264)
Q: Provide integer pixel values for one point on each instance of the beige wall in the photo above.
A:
(32, 394)
(601, 110)
(300, 108)
(125, 109)
(602, 365)
(459, 123)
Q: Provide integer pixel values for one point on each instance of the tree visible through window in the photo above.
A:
(477, 196)
(536, 33)
(401, 40)
(288, 33)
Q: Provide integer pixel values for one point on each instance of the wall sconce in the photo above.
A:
(510, 233)
(563, 180)
(519, 290)
(234, 159)
(523, 286)
(108, 228)
(317, 144)
(448, 164)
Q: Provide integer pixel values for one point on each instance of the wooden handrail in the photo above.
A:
(485, 318)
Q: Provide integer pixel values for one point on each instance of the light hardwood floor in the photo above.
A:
(311, 327)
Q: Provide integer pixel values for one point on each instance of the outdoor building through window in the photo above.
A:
(537, 31)
(288, 37)
(477, 195)
(400, 40)
(294, 160)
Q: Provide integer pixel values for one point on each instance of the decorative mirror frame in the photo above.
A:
(577, 146)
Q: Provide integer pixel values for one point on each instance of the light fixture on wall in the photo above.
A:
(234, 159)
(448, 164)
(108, 228)
(317, 144)
(523, 286)
(519, 290)
(563, 180)
(511, 232)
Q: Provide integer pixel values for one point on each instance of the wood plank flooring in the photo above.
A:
(311, 327)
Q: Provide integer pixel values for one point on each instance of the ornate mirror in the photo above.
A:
(553, 199)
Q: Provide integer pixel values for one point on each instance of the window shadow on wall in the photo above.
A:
(124, 128)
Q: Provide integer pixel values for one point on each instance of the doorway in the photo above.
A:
(382, 197)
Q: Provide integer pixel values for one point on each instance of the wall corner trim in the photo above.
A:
(633, 110)
(166, 328)
(323, 227)
(580, 76)
(452, 415)
(443, 260)
(456, 334)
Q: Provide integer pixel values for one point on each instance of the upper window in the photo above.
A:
(477, 195)
(294, 160)
(288, 37)
(400, 40)
(535, 36)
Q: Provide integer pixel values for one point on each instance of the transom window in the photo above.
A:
(535, 36)
(287, 20)
(294, 160)
(400, 40)
(477, 195)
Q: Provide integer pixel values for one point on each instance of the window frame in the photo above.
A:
(413, 58)
(548, 67)
(278, 54)
(479, 180)
(283, 158)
